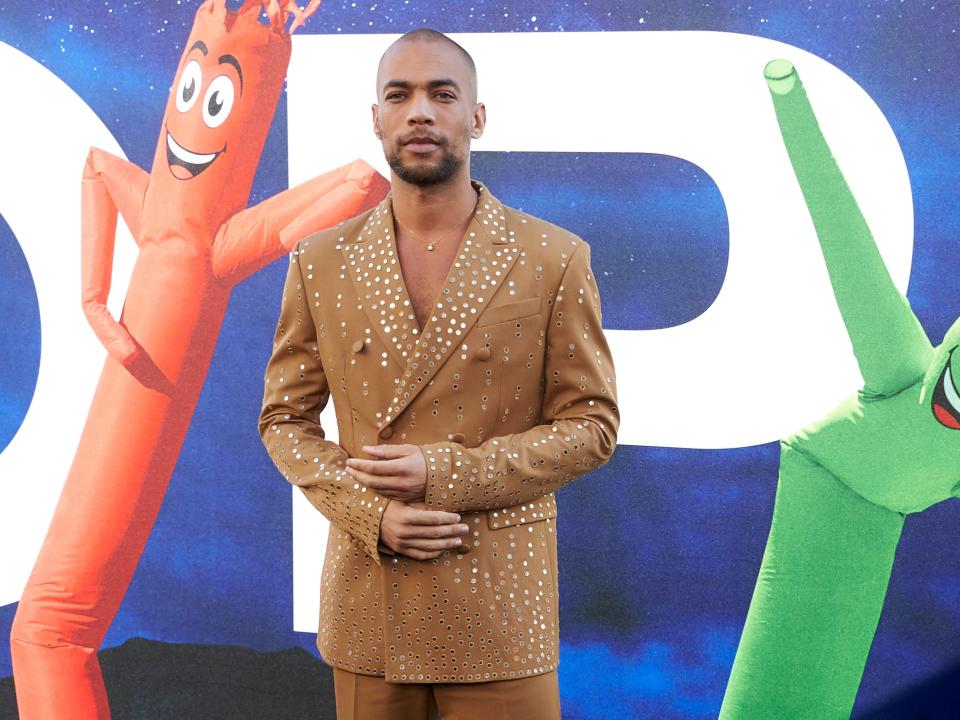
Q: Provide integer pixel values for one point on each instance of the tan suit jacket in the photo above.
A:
(509, 390)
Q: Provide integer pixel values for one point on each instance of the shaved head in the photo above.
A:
(428, 35)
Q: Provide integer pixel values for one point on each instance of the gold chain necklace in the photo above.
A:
(430, 244)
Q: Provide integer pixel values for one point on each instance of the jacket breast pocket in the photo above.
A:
(533, 511)
(509, 311)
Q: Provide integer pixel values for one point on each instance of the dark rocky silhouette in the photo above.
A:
(149, 680)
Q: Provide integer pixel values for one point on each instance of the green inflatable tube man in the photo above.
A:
(846, 481)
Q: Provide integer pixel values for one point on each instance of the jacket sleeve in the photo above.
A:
(295, 392)
(580, 415)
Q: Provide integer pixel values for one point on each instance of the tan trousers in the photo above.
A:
(367, 697)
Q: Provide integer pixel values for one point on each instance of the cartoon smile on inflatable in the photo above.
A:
(185, 164)
(946, 401)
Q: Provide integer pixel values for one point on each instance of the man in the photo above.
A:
(461, 341)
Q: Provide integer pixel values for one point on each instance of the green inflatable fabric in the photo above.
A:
(847, 481)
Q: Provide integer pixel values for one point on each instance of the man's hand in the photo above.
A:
(399, 471)
(418, 533)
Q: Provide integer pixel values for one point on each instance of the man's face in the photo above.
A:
(427, 111)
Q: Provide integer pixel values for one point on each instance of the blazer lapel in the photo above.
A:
(486, 254)
(374, 268)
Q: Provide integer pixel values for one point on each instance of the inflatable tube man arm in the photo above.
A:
(110, 184)
(890, 345)
(255, 237)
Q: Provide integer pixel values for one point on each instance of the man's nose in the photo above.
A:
(420, 110)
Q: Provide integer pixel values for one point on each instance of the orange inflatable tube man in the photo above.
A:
(196, 241)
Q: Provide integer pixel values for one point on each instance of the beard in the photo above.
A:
(426, 175)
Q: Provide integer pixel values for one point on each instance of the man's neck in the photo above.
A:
(428, 210)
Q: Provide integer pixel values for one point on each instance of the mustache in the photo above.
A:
(421, 135)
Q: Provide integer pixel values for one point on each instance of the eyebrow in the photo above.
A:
(405, 85)
(199, 45)
(231, 60)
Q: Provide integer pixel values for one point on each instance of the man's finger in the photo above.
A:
(431, 517)
(434, 532)
(377, 467)
(430, 545)
(389, 451)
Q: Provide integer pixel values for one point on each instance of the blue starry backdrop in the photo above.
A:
(659, 549)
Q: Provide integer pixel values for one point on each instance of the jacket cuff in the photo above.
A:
(370, 541)
(379, 546)
(439, 459)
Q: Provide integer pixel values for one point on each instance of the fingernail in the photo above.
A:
(458, 518)
(463, 528)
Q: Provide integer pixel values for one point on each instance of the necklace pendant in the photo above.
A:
(429, 247)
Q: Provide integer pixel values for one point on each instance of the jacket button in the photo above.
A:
(483, 353)
(357, 346)
(386, 432)
(458, 437)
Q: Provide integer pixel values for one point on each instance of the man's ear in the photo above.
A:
(479, 120)
(375, 111)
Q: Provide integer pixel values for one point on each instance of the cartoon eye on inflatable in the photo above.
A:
(189, 88)
(218, 101)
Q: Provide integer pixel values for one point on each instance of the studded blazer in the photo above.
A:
(509, 390)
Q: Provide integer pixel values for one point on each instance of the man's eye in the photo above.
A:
(394, 96)
(445, 96)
